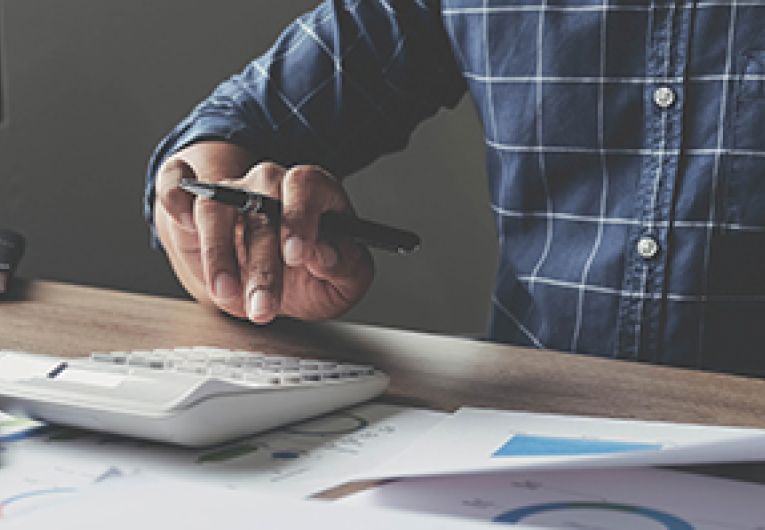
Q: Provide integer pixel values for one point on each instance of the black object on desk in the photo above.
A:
(369, 233)
(12, 245)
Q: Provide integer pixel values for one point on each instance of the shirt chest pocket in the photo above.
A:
(745, 194)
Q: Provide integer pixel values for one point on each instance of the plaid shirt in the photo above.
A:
(625, 151)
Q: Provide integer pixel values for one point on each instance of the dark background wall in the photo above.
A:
(91, 85)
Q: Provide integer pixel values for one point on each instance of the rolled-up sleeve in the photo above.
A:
(342, 85)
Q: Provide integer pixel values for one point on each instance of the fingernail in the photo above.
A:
(225, 286)
(293, 251)
(187, 221)
(260, 304)
(328, 257)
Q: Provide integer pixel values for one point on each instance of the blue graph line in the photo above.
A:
(31, 494)
(669, 521)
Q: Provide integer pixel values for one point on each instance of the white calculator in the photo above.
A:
(195, 396)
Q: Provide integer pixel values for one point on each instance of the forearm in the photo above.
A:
(341, 86)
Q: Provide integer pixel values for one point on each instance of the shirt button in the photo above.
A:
(647, 247)
(664, 97)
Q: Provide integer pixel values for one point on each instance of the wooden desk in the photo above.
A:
(426, 370)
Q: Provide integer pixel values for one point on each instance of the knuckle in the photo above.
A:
(295, 206)
(270, 168)
(303, 177)
(207, 208)
(170, 165)
(262, 276)
(213, 253)
(268, 175)
(165, 176)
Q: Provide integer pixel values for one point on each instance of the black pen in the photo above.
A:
(369, 233)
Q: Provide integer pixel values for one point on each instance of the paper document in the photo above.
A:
(606, 499)
(298, 460)
(482, 440)
(131, 504)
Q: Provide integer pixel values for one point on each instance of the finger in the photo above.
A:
(4, 277)
(262, 270)
(215, 224)
(345, 265)
(307, 192)
(176, 202)
(262, 266)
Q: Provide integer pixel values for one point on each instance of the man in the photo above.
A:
(625, 150)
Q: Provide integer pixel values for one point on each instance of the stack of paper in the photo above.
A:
(475, 465)
(489, 441)
(569, 472)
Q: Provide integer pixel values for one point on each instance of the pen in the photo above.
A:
(369, 233)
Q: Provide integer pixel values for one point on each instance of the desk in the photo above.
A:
(426, 370)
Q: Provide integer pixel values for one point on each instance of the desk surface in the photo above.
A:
(426, 370)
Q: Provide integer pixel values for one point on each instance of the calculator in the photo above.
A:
(192, 396)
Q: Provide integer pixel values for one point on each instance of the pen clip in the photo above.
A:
(254, 204)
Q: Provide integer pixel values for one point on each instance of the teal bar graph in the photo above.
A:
(523, 445)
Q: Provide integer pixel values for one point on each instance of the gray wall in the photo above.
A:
(90, 87)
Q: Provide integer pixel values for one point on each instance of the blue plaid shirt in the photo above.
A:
(625, 150)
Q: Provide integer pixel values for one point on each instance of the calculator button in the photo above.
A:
(192, 367)
(158, 363)
(138, 360)
(292, 378)
(360, 369)
(109, 357)
(262, 378)
(255, 362)
(330, 374)
(349, 370)
(306, 364)
(278, 360)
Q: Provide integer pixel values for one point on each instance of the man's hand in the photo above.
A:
(255, 267)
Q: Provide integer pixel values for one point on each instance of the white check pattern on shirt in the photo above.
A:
(581, 162)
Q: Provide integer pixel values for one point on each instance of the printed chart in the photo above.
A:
(473, 441)
(298, 460)
(527, 445)
(556, 514)
(623, 499)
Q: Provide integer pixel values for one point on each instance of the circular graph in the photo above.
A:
(668, 521)
(330, 426)
(28, 495)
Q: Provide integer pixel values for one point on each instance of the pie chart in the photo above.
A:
(595, 514)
